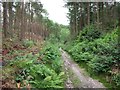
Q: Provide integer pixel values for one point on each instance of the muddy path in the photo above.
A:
(76, 76)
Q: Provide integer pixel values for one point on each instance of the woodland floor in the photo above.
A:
(76, 76)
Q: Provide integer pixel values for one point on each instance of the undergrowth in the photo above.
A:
(26, 65)
(98, 53)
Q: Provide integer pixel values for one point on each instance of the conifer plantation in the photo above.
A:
(37, 52)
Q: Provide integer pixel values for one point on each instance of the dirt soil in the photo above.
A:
(76, 76)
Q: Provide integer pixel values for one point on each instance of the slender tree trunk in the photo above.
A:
(1, 33)
(17, 23)
(0, 16)
(98, 17)
(118, 16)
(81, 20)
(5, 19)
(118, 12)
(29, 31)
(88, 12)
(114, 14)
(22, 22)
(76, 19)
(84, 14)
(31, 20)
(10, 19)
(102, 14)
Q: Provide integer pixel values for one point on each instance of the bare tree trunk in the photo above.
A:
(88, 11)
(29, 25)
(98, 19)
(22, 22)
(5, 19)
(102, 14)
(17, 22)
(81, 17)
(76, 23)
(0, 16)
(114, 14)
(31, 20)
(10, 19)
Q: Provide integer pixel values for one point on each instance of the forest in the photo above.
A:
(36, 52)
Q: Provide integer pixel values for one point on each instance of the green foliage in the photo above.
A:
(41, 70)
(52, 57)
(107, 53)
(45, 77)
(28, 43)
(100, 53)
(116, 79)
(89, 33)
(1, 30)
(53, 38)
(68, 46)
(101, 63)
(64, 33)
(80, 53)
(86, 56)
(58, 33)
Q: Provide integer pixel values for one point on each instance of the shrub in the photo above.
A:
(116, 79)
(99, 52)
(89, 33)
(41, 70)
(52, 57)
(28, 43)
(86, 56)
(100, 64)
(45, 77)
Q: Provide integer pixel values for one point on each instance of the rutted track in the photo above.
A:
(77, 77)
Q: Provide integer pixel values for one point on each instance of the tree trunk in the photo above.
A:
(75, 19)
(114, 14)
(88, 12)
(118, 15)
(22, 22)
(0, 16)
(102, 15)
(10, 18)
(17, 23)
(98, 19)
(5, 19)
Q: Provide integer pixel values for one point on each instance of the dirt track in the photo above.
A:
(77, 77)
